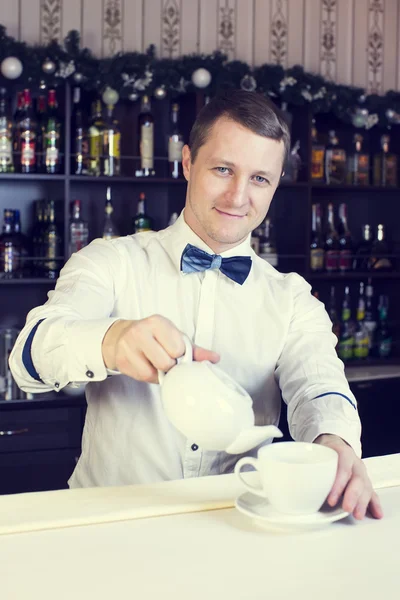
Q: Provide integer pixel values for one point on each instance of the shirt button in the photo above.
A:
(57, 385)
(89, 374)
(194, 447)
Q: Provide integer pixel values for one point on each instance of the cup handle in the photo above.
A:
(248, 460)
(187, 357)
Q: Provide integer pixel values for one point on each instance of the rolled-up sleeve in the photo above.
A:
(311, 376)
(61, 340)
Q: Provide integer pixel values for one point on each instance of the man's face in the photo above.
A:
(231, 183)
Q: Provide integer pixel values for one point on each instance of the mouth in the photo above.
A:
(229, 215)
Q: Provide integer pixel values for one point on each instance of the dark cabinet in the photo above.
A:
(379, 409)
(39, 447)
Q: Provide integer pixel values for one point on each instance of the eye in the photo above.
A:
(222, 170)
(260, 179)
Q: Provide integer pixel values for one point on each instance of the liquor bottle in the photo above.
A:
(109, 229)
(78, 229)
(17, 131)
(370, 316)
(6, 135)
(146, 138)
(333, 313)
(51, 245)
(292, 164)
(358, 163)
(28, 134)
(22, 242)
(385, 165)
(362, 257)
(142, 222)
(52, 135)
(335, 161)
(346, 340)
(317, 252)
(379, 260)
(10, 251)
(41, 134)
(345, 241)
(111, 155)
(175, 144)
(317, 157)
(383, 334)
(37, 237)
(361, 338)
(267, 249)
(80, 139)
(255, 239)
(96, 138)
(331, 243)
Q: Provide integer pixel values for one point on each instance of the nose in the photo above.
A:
(237, 193)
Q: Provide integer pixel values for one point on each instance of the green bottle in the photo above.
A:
(383, 335)
(361, 337)
(346, 340)
(142, 221)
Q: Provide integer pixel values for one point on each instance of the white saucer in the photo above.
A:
(263, 514)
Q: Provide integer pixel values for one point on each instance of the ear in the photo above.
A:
(186, 161)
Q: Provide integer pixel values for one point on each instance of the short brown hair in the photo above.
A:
(250, 109)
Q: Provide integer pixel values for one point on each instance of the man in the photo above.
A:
(120, 307)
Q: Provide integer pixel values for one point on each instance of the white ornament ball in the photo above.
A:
(133, 96)
(49, 67)
(160, 93)
(201, 78)
(11, 67)
(110, 96)
(78, 77)
(390, 114)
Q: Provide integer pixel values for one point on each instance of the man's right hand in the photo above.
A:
(140, 348)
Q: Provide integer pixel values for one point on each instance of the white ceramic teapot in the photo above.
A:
(209, 407)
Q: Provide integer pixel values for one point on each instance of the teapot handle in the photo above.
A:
(186, 358)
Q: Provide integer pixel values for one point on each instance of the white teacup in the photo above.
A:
(296, 477)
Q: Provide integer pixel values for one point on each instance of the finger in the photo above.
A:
(343, 475)
(360, 509)
(155, 353)
(200, 354)
(136, 365)
(355, 491)
(167, 335)
(375, 507)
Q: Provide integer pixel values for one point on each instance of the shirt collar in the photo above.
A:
(179, 234)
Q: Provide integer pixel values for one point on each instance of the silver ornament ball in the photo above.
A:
(11, 67)
(160, 93)
(390, 114)
(110, 96)
(78, 77)
(248, 83)
(133, 96)
(201, 78)
(49, 67)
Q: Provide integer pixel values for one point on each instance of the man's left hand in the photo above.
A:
(351, 480)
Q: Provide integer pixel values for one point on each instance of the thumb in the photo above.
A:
(200, 354)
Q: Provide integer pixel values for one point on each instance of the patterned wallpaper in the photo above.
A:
(349, 41)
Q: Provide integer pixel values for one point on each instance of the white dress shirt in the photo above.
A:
(272, 335)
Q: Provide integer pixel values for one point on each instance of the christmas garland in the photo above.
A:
(128, 75)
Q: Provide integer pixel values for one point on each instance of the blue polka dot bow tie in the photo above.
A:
(235, 267)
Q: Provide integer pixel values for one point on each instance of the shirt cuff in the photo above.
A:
(81, 351)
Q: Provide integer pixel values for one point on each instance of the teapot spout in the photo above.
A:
(252, 437)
